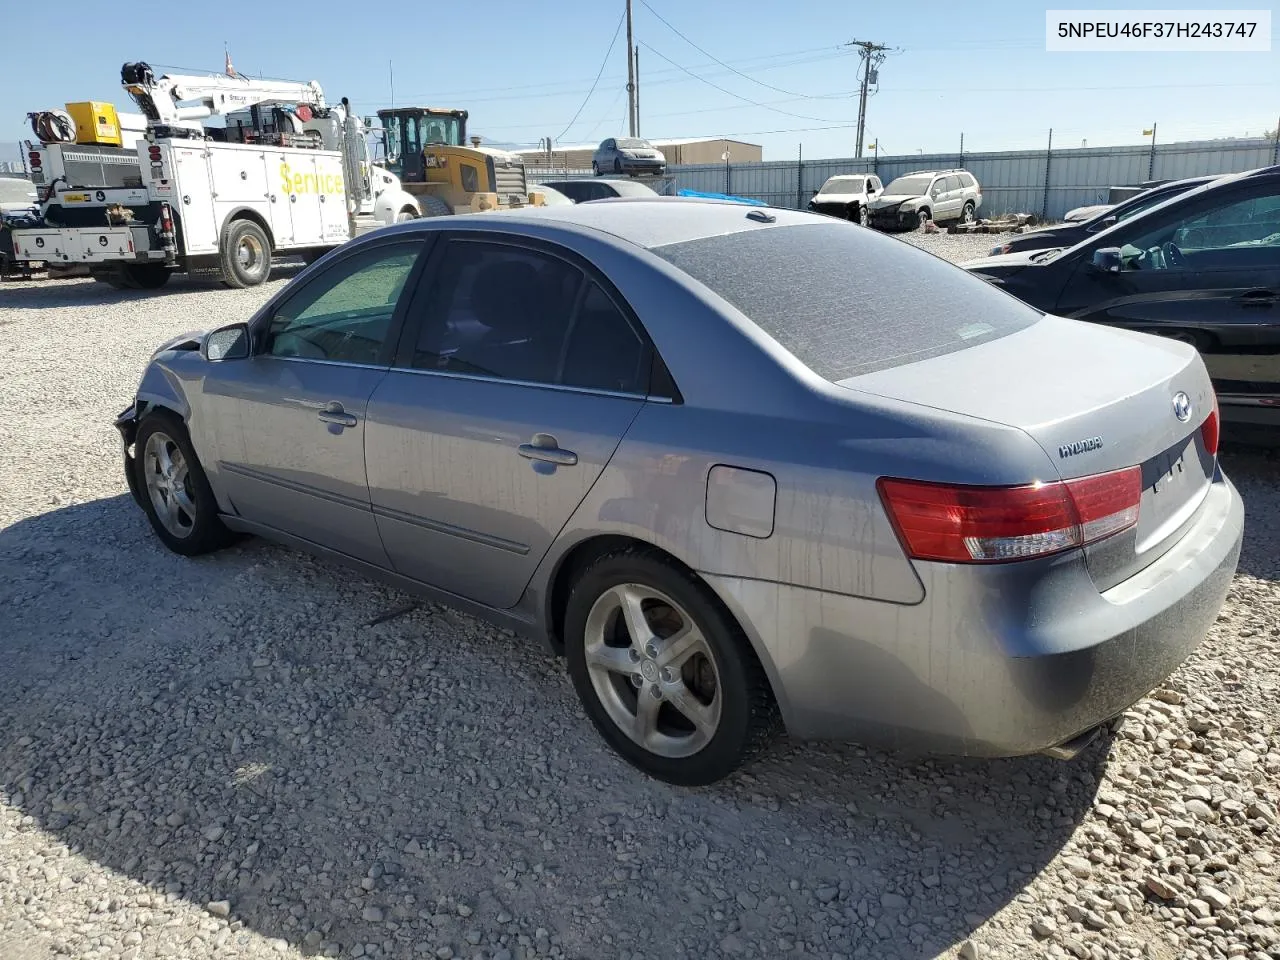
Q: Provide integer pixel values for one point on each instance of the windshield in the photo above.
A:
(910, 186)
(819, 291)
(842, 186)
(634, 145)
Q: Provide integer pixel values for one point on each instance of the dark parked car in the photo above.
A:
(601, 188)
(1202, 267)
(1069, 234)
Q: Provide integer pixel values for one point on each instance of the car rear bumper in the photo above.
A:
(1262, 409)
(998, 660)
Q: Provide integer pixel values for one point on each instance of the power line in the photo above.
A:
(754, 103)
(599, 74)
(705, 53)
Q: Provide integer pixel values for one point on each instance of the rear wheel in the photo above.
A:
(176, 494)
(245, 254)
(407, 214)
(112, 276)
(595, 169)
(146, 276)
(663, 671)
(966, 215)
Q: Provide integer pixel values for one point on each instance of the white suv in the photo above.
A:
(847, 196)
(938, 195)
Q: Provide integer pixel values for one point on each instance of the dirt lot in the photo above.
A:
(229, 758)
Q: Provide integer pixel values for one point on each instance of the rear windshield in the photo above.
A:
(846, 301)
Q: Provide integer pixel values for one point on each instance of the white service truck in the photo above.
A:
(294, 177)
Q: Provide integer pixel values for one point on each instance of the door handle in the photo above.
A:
(545, 447)
(1257, 298)
(333, 413)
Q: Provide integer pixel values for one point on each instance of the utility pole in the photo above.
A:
(872, 55)
(636, 58)
(631, 77)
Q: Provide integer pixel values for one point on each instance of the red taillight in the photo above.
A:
(154, 152)
(1210, 429)
(967, 524)
(34, 157)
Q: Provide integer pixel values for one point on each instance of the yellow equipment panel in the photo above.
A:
(96, 122)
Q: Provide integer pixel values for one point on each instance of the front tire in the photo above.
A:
(665, 674)
(245, 254)
(923, 217)
(617, 165)
(407, 214)
(595, 169)
(176, 495)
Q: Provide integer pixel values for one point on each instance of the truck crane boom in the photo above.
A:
(159, 98)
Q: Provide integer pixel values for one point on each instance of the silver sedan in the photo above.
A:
(746, 469)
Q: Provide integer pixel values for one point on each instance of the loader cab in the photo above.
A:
(408, 130)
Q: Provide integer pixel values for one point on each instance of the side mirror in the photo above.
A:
(1107, 260)
(226, 343)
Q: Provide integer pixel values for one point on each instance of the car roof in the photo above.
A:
(647, 222)
(1184, 196)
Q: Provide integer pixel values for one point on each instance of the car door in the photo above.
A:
(938, 198)
(513, 386)
(953, 198)
(1206, 271)
(290, 419)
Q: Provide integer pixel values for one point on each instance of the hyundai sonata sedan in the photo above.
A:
(695, 448)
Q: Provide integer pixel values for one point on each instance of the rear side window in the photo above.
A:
(966, 180)
(846, 301)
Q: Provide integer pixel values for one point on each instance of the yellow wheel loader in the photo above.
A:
(427, 149)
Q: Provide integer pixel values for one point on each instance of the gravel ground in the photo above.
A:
(231, 757)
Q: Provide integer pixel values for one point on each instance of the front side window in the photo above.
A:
(516, 314)
(1229, 235)
(345, 314)
(952, 184)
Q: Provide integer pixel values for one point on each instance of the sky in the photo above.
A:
(766, 72)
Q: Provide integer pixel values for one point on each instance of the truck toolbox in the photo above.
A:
(79, 245)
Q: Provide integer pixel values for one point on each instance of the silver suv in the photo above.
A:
(938, 195)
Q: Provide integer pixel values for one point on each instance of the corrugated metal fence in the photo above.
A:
(1043, 182)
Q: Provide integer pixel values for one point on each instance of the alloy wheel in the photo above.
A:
(168, 482)
(653, 670)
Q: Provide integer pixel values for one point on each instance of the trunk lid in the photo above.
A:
(1095, 399)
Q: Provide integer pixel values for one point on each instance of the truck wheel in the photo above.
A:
(245, 254)
(407, 214)
(112, 276)
(434, 207)
(145, 276)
